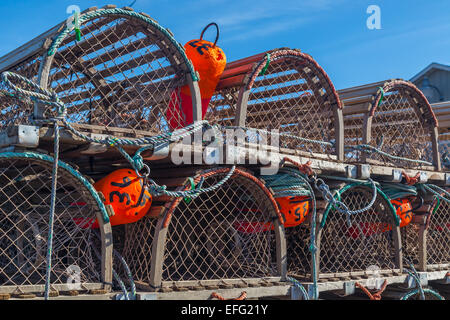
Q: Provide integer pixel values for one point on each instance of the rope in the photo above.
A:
(217, 296)
(432, 189)
(52, 214)
(264, 70)
(304, 184)
(284, 184)
(115, 276)
(373, 296)
(419, 290)
(371, 149)
(298, 285)
(339, 205)
(382, 95)
(411, 180)
(158, 190)
(398, 190)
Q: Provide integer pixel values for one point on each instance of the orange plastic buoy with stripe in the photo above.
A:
(123, 191)
(293, 209)
(209, 61)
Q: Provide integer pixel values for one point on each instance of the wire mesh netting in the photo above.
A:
(299, 259)
(364, 244)
(137, 250)
(222, 108)
(13, 111)
(25, 187)
(438, 236)
(410, 242)
(444, 151)
(296, 97)
(401, 126)
(224, 234)
(122, 74)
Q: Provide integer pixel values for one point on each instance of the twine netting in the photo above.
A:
(367, 242)
(24, 206)
(223, 234)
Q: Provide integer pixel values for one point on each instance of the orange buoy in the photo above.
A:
(123, 190)
(209, 61)
(293, 209)
(404, 210)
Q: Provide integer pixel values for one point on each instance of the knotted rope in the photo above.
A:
(217, 296)
(373, 296)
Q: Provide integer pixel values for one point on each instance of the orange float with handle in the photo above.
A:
(209, 61)
(124, 191)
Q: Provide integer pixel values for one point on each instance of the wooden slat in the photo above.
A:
(272, 93)
(119, 68)
(364, 90)
(108, 56)
(124, 84)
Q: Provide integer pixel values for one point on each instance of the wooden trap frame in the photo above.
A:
(285, 90)
(230, 237)
(80, 253)
(394, 117)
(426, 241)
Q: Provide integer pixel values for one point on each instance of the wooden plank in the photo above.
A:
(28, 50)
(364, 90)
(357, 109)
(272, 93)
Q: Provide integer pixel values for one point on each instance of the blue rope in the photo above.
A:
(52, 213)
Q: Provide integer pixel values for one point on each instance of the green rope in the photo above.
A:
(284, 184)
(398, 190)
(432, 189)
(264, 70)
(76, 19)
(296, 183)
(382, 96)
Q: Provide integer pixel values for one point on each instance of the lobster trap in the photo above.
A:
(394, 122)
(81, 258)
(223, 238)
(284, 90)
(362, 242)
(436, 237)
(122, 78)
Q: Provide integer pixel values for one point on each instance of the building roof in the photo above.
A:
(433, 65)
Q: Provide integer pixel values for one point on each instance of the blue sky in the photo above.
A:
(414, 32)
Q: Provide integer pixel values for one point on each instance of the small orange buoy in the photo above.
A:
(293, 209)
(404, 210)
(209, 61)
(123, 190)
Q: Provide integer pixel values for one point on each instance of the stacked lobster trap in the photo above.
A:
(115, 92)
(116, 81)
(228, 237)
